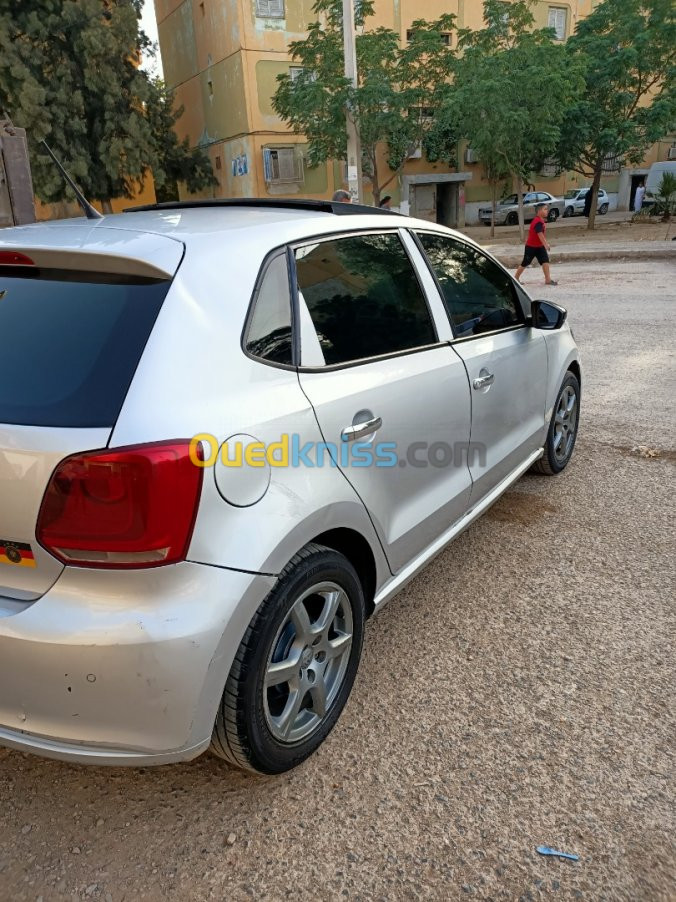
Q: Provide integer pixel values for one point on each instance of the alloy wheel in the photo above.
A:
(565, 424)
(308, 661)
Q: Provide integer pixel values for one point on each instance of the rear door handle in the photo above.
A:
(352, 433)
(483, 381)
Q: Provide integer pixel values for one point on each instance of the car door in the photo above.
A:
(391, 396)
(506, 359)
(529, 201)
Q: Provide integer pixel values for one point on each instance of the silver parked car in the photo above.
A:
(507, 210)
(229, 433)
(574, 202)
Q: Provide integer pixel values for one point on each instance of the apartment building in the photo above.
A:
(222, 58)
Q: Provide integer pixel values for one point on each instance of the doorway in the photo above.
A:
(636, 180)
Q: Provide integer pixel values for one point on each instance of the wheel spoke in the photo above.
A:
(301, 621)
(339, 645)
(283, 671)
(318, 696)
(331, 601)
(558, 438)
(287, 718)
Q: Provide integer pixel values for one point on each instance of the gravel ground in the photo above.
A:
(519, 692)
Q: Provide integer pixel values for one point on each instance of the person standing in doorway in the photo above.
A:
(638, 198)
(537, 245)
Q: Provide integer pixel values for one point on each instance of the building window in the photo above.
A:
(270, 9)
(445, 36)
(557, 21)
(281, 165)
(295, 73)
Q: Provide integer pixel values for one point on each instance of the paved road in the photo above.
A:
(519, 692)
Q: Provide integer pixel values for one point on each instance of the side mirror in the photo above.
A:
(545, 315)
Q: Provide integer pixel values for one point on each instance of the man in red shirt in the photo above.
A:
(537, 245)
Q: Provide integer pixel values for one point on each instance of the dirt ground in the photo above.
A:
(519, 692)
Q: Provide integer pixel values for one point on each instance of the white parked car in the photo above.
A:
(575, 199)
(229, 433)
(507, 210)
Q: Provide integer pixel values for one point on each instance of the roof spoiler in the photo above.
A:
(310, 206)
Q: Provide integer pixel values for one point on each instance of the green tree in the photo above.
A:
(69, 75)
(173, 161)
(397, 93)
(511, 89)
(628, 49)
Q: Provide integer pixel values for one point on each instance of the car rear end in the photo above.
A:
(108, 633)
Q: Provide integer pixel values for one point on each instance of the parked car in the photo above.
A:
(507, 210)
(574, 200)
(179, 570)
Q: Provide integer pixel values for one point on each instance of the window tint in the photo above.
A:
(363, 297)
(478, 295)
(70, 343)
(269, 334)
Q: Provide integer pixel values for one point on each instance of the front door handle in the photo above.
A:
(352, 433)
(483, 381)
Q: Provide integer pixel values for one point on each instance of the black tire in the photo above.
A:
(553, 215)
(568, 212)
(551, 461)
(243, 732)
(603, 209)
(512, 218)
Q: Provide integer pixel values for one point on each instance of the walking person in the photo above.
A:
(537, 245)
(638, 197)
(343, 197)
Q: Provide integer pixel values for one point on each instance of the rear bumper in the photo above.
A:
(123, 667)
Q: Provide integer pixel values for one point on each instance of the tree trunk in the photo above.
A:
(594, 193)
(494, 203)
(106, 206)
(519, 198)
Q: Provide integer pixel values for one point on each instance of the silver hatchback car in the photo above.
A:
(229, 433)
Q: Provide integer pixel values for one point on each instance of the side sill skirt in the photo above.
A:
(397, 583)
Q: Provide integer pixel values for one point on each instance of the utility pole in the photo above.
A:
(353, 144)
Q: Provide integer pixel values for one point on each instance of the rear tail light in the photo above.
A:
(14, 258)
(133, 507)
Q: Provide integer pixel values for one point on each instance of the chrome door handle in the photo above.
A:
(483, 381)
(352, 433)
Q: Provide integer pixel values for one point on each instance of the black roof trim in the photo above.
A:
(319, 206)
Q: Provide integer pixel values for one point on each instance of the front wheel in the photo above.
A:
(295, 666)
(553, 215)
(568, 212)
(603, 209)
(562, 429)
(512, 219)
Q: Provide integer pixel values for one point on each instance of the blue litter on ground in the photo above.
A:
(545, 850)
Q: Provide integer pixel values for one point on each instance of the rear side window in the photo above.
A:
(363, 297)
(478, 295)
(269, 334)
(70, 343)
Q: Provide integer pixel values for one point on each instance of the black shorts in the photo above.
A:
(538, 253)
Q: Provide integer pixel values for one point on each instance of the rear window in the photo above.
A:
(70, 343)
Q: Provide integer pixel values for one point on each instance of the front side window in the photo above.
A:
(269, 333)
(363, 297)
(478, 295)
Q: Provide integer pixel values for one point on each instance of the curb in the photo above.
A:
(557, 259)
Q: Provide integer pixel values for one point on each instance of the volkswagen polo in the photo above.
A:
(231, 432)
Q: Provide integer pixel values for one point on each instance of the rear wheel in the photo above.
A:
(512, 218)
(603, 209)
(562, 429)
(295, 666)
